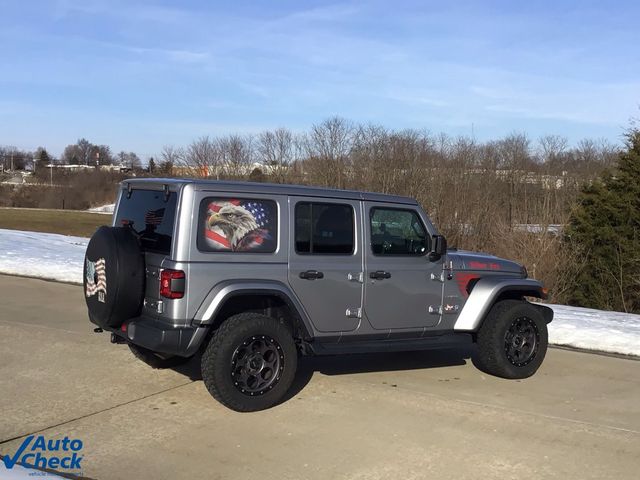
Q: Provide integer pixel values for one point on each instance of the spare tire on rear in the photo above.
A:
(114, 276)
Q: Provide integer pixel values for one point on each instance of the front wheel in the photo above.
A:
(512, 341)
(250, 362)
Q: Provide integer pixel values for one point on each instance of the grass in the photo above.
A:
(64, 222)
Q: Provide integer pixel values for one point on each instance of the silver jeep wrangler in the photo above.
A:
(253, 275)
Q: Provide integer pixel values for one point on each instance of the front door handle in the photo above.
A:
(311, 275)
(379, 275)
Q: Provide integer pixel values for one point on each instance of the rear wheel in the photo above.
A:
(512, 341)
(250, 362)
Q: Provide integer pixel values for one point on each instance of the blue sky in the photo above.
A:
(137, 75)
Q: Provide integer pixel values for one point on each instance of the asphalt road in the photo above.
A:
(390, 416)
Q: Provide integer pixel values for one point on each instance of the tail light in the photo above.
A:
(172, 283)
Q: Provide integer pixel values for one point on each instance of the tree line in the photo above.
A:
(83, 152)
(512, 196)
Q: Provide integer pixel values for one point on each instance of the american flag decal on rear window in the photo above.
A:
(239, 225)
(96, 275)
(154, 217)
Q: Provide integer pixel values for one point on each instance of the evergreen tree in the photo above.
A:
(42, 156)
(604, 230)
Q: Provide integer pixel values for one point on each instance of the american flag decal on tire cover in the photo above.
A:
(96, 279)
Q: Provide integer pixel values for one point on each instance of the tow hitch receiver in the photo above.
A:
(117, 339)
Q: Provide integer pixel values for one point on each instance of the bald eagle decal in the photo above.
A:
(240, 225)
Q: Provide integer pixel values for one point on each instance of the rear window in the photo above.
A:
(151, 214)
(245, 225)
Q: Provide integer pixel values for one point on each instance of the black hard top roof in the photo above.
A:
(268, 188)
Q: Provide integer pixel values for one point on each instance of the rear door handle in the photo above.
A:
(379, 275)
(311, 275)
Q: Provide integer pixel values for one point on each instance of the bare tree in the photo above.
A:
(170, 156)
(236, 153)
(327, 147)
(369, 155)
(514, 152)
(202, 158)
(552, 150)
(587, 151)
(276, 150)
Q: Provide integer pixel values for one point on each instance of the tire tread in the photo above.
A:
(491, 357)
(223, 338)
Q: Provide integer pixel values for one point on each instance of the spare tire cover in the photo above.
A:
(114, 276)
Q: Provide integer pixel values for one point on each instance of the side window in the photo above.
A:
(324, 228)
(237, 225)
(398, 232)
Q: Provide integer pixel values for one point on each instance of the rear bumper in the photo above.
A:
(161, 338)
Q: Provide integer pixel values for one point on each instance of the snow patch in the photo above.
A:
(42, 255)
(590, 329)
(106, 209)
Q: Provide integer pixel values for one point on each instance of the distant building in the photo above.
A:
(75, 168)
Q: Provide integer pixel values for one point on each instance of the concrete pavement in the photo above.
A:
(414, 415)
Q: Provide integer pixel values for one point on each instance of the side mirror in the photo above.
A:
(439, 248)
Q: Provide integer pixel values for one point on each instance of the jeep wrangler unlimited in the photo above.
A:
(253, 275)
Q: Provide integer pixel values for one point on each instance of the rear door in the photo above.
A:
(151, 214)
(399, 289)
(325, 261)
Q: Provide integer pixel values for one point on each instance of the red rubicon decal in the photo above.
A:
(484, 266)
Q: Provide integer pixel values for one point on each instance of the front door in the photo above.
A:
(399, 289)
(325, 263)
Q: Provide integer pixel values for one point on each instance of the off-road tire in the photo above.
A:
(154, 360)
(220, 361)
(120, 286)
(493, 349)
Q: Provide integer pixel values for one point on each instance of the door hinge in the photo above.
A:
(354, 312)
(435, 309)
(356, 277)
(448, 267)
(437, 278)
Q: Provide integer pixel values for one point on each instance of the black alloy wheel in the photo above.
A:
(250, 362)
(257, 364)
(521, 341)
